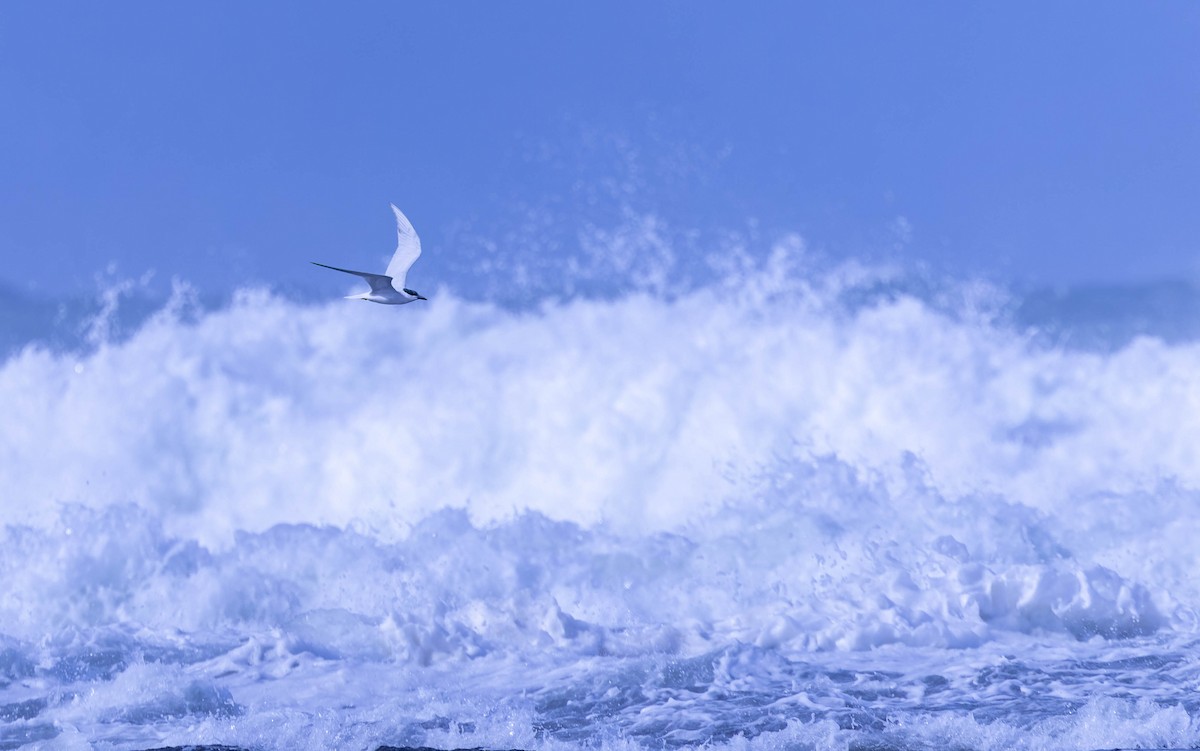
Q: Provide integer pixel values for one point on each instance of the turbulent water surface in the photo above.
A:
(787, 510)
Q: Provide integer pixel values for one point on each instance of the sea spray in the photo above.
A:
(783, 508)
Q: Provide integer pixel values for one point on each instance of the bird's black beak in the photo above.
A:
(422, 298)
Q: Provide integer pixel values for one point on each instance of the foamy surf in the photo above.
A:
(786, 512)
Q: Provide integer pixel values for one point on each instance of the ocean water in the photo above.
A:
(786, 507)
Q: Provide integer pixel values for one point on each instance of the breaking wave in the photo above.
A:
(787, 508)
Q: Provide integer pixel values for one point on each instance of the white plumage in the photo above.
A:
(390, 287)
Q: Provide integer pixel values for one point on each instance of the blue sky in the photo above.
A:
(228, 141)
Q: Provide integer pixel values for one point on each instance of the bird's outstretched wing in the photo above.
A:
(378, 282)
(408, 249)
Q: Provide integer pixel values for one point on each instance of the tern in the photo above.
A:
(388, 288)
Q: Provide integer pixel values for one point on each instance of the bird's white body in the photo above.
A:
(389, 296)
(389, 287)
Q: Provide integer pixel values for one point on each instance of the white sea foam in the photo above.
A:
(617, 521)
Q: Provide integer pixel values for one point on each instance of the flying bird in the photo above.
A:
(388, 288)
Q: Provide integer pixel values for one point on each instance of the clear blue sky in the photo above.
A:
(1053, 142)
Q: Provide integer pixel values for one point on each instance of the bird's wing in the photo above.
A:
(408, 249)
(378, 282)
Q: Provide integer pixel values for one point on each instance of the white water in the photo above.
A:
(755, 514)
